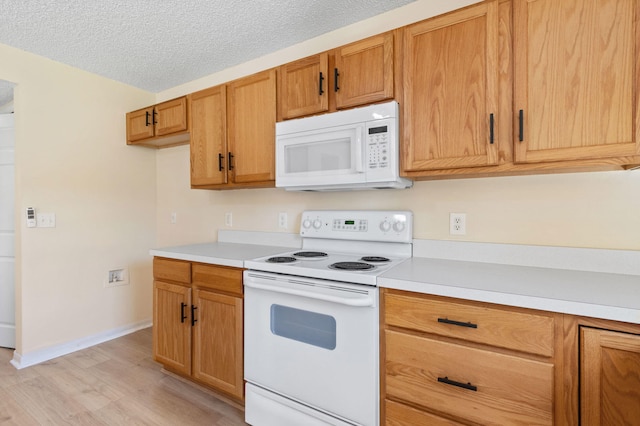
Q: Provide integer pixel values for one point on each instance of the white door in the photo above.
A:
(7, 232)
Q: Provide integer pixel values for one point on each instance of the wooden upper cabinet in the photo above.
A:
(364, 71)
(576, 79)
(451, 90)
(251, 120)
(170, 117)
(164, 124)
(609, 377)
(140, 125)
(208, 148)
(357, 74)
(303, 87)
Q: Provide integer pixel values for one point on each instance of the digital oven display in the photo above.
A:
(349, 222)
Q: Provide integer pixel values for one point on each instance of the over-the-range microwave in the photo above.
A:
(352, 149)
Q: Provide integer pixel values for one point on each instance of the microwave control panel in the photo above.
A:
(378, 152)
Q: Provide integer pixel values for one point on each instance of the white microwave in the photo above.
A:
(352, 149)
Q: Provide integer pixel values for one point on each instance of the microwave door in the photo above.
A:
(330, 156)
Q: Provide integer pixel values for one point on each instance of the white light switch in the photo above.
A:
(46, 220)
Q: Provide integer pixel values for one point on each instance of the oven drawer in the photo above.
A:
(468, 383)
(512, 329)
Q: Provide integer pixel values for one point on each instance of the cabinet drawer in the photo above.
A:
(221, 278)
(171, 270)
(402, 415)
(520, 331)
(468, 383)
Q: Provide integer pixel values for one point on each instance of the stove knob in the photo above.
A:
(306, 224)
(385, 226)
(398, 226)
(317, 223)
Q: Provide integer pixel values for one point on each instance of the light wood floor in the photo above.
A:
(114, 383)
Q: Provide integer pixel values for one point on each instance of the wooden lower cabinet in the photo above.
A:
(609, 377)
(198, 323)
(217, 342)
(449, 361)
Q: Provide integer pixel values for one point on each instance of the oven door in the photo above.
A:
(321, 157)
(313, 342)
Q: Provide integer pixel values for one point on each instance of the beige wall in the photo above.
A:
(71, 159)
(579, 210)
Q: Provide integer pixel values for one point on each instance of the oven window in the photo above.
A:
(304, 326)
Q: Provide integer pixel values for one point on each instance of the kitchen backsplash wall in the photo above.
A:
(598, 210)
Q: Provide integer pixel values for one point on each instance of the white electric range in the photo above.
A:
(312, 320)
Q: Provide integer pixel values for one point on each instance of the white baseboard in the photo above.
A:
(20, 361)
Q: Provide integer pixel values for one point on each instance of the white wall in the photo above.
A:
(579, 210)
(72, 160)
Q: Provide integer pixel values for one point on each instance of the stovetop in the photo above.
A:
(347, 246)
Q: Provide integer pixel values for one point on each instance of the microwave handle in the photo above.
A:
(359, 136)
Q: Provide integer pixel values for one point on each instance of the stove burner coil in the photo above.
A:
(351, 266)
(374, 259)
(310, 254)
(281, 259)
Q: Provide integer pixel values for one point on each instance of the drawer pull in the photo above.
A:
(458, 323)
(448, 381)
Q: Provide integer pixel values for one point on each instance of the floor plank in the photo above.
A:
(114, 383)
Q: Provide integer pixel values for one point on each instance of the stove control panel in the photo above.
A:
(359, 225)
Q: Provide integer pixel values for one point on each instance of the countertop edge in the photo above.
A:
(531, 302)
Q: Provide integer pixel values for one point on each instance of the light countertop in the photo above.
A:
(218, 253)
(595, 294)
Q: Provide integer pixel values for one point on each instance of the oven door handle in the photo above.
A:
(349, 301)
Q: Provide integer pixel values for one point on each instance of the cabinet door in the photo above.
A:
(364, 72)
(172, 326)
(576, 79)
(303, 87)
(208, 136)
(217, 357)
(609, 377)
(171, 117)
(450, 90)
(251, 113)
(140, 124)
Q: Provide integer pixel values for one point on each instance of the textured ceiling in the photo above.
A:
(159, 44)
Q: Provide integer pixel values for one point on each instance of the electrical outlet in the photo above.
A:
(174, 218)
(457, 224)
(283, 220)
(228, 219)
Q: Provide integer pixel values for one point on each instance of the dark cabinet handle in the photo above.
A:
(146, 119)
(521, 125)
(458, 323)
(491, 124)
(220, 158)
(336, 74)
(154, 117)
(230, 162)
(320, 89)
(183, 316)
(193, 315)
(447, 381)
